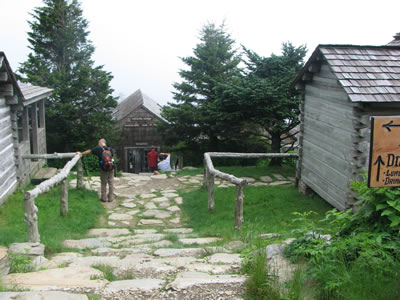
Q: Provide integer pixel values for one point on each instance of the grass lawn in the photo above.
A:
(267, 209)
(83, 214)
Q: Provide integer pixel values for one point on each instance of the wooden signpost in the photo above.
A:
(384, 157)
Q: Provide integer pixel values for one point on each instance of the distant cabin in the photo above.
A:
(22, 129)
(342, 87)
(136, 117)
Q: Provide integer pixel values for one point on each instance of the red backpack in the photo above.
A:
(107, 161)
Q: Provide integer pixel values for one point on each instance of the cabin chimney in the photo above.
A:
(396, 41)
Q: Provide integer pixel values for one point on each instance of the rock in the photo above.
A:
(150, 222)
(158, 214)
(189, 168)
(266, 236)
(27, 249)
(145, 231)
(133, 212)
(209, 268)
(274, 249)
(128, 204)
(4, 263)
(164, 205)
(106, 232)
(44, 295)
(279, 177)
(249, 179)
(194, 181)
(199, 241)
(173, 208)
(161, 199)
(145, 196)
(188, 279)
(279, 183)
(167, 252)
(175, 221)
(85, 244)
(179, 230)
(225, 258)
(168, 191)
(170, 195)
(280, 266)
(111, 223)
(236, 245)
(150, 205)
(120, 251)
(120, 217)
(260, 184)
(137, 284)
(179, 200)
(266, 178)
(69, 277)
(159, 176)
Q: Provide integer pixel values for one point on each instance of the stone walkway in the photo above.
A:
(143, 249)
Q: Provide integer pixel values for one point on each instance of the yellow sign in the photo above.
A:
(384, 156)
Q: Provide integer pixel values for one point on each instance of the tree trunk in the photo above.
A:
(276, 148)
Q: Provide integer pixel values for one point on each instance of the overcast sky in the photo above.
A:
(140, 42)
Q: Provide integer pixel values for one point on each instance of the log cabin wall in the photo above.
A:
(327, 138)
(343, 86)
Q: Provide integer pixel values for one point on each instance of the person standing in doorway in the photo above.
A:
(152, 158)
(106, 163)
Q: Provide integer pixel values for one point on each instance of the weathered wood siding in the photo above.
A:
(8, 170)
(137, 130)
(327, 145)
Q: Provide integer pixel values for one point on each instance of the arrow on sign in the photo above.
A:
(379, 162)
(389, 125)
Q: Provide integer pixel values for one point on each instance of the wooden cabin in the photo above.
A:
(342, 87)
(136, 117)
(22, 129)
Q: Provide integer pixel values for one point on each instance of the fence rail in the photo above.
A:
(31, 209)
(210, 173)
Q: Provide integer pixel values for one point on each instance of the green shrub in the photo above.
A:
(20, 264)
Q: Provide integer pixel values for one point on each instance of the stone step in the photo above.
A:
(44, 295)
(107, 232)
(69, 277)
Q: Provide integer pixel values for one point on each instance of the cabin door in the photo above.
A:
(135, 160)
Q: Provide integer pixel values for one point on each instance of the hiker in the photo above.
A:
(106, 162)
(165, 162)
(152, 158)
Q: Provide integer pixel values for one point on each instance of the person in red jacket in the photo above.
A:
(152, 160)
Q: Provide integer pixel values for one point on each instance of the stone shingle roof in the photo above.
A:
(134, 101)
(366, 73)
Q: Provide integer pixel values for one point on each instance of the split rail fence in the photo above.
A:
(31, 209)
(210, 173)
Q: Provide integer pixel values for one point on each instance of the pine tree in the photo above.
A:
(193, 120)
(79, 110)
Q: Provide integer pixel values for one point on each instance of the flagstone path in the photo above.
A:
(145, 246)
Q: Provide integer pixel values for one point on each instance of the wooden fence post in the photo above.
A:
(31, 219)
(64, 198)
(205, 177)
(211, 203)
(79, 181)
(239, 207)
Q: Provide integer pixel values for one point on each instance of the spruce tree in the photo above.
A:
(79, 110)
(193, 120)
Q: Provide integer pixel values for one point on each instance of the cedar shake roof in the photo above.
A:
(26, 93)
(134, 101)
(366, 73)
(33, 93)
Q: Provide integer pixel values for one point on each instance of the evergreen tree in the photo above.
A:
(79, 110)
(193, 120)
(264, 95)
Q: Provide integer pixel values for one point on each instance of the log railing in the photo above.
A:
(210, 173)
(31, 210)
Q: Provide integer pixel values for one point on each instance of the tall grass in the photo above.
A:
(84, 211)
(266, 210)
